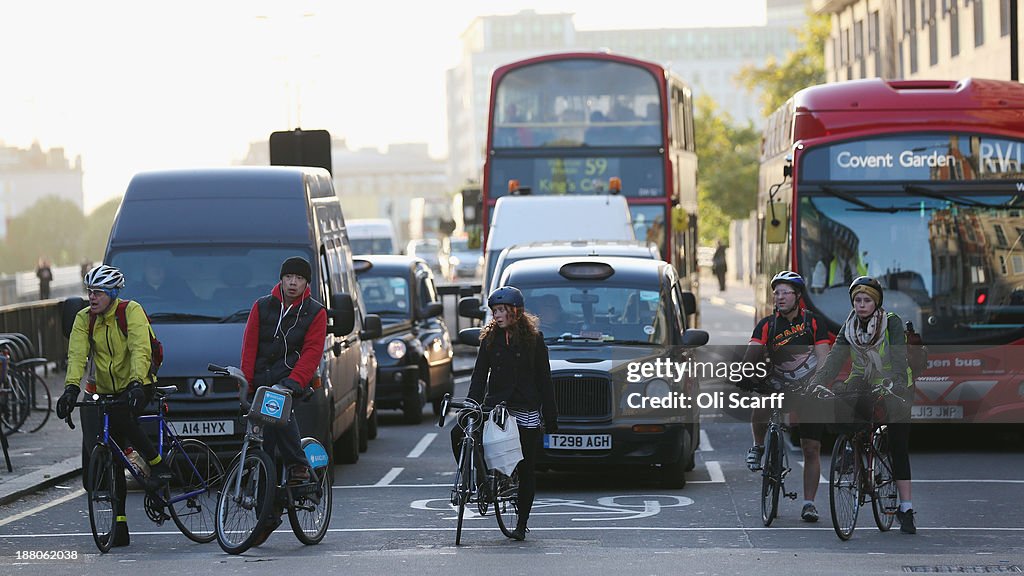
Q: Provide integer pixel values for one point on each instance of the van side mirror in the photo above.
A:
(430, 310)
(694, 338)
(776, 222)
(69, 309)
(343, 315)
(689, 303)
(470, 307)
(371, 327)
(469, 336)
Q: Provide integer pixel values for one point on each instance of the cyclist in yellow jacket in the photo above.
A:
(121, 366)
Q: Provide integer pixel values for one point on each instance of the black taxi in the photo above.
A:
(414, 352)
(609, 322)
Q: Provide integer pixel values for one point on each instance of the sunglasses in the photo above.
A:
(783, 293)
(96, 291)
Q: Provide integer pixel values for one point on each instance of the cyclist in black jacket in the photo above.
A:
(512, 367)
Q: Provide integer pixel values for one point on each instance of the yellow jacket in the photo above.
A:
(118, 359)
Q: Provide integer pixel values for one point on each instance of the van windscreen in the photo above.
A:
(207, 283)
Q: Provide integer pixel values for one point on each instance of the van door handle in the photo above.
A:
(337, 348)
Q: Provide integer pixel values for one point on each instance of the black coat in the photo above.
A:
(514, 375)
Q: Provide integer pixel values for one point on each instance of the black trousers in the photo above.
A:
(286, 441)
(123, 428)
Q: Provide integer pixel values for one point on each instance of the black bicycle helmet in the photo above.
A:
(868, 282)
(791, 278)
(506, 295)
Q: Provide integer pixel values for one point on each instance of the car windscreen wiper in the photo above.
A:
(567, 337)
(236, 315)
(379, 312)
(919, 190)
(182, 316)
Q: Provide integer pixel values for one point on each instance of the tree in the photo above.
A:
(729, 154)
(97, 230)
(803, 67)
(50, 228)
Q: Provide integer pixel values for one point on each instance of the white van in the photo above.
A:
(525, 219)
(372, 236)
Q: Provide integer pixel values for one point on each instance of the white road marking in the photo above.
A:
(391, 475)
(705, 443)
(821, 477)
(715, 471)
(422, 445)
(42, 507)
(746, 308)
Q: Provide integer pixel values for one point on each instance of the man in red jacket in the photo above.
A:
(283, 343)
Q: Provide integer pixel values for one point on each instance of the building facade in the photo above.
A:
(29, 175)
(917, 39)
(708, 59)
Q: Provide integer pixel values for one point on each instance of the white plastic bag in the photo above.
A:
(502, 449)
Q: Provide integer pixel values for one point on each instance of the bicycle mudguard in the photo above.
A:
(315, 453)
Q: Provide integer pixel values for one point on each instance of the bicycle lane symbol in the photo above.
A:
(608, 508)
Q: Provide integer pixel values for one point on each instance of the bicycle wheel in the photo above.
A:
(198, 477)
(245, 502)
(771, 477)
(884, 501)
(506, 502)
(102, 495)
(38, 400)
(461, 490)
(844, 486)
(309, 511)
(14, 404)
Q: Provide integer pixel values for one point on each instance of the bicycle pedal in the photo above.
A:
(791, 495)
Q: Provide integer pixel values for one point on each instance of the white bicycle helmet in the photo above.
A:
(791, 278)
(104, 277)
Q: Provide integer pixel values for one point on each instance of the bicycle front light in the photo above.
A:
(396, 349)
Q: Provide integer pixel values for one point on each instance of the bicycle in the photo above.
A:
(187, 499)
(775, 468)
(24, 384)
(255, 493)
(470, 486)
(861, 470)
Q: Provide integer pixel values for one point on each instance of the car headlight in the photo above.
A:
(396, 349)
(657, 388)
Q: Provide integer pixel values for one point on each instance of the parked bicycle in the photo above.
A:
(188, 499)
(862, 471)
(25, 402)
(255, 492)
(473, 486)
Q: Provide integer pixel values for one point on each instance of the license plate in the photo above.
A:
(203, 427)
(937, 412)
(578, 441)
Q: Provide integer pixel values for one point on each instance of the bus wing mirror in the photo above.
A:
(776, 222)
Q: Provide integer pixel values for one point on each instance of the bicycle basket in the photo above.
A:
(271, 407)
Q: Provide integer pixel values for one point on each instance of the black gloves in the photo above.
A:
(66, 402)
(292, 385)
(136, 398)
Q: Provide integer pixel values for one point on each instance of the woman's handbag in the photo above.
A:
(502, 449)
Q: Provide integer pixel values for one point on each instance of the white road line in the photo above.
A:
(715, 471)
(968, 481)
(705, 443)
(391, 475)
(587, 528)
(422, 445)
(379, 485)
(42, 507)
(741, 307)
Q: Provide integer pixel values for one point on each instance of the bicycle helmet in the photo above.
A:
(792, 278)
(869, 286)
(104, 277)
(506, 295)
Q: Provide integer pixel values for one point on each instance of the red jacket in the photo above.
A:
(261, 338)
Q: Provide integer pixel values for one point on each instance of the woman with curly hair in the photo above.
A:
(512, 367)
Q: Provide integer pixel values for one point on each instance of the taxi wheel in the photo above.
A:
(412, 406)
(673, 475)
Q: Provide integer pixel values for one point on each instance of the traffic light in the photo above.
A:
(301, 148)
(980, 300)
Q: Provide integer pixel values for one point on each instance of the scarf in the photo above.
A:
(867, 340)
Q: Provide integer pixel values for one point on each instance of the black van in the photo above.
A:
(198, 247)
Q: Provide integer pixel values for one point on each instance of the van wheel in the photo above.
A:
(346, 449)
(412, 406)
(364, 424)
(371, 428)
(674, 475)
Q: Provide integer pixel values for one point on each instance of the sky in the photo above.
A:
(142, 85)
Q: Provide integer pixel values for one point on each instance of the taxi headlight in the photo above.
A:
(657, 388)
(396, 349)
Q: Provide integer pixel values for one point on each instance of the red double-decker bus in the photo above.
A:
(918, 184)
(581, 123)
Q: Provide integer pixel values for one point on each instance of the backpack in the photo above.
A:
(156, 348)
(917, 352)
